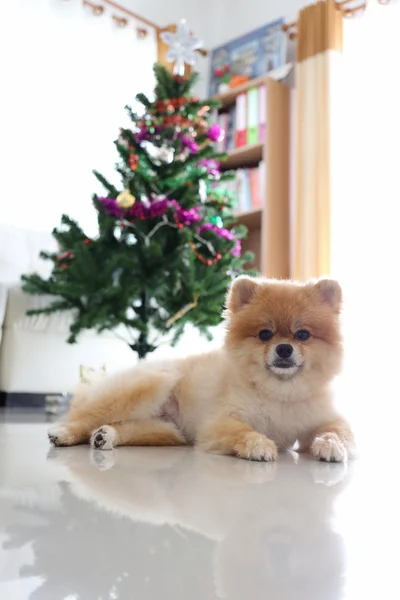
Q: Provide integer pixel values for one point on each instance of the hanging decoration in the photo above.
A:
(63, 260)
(133, 161)
(215, 133)
(160, 155)
(220, 231)
(156, 206)
(206, 261)
(217, 221)
(223, 233)
(188, 143)
(175, 103)
(125, 199)
(203, 191)
(182, 46)
(212, 166)
(152, 125)
(203, 110)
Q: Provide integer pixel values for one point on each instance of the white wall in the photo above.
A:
(236, 17)
(66, 80)
(61, 109)
(24, 198)
(217, 21)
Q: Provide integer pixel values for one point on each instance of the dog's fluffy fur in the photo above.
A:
(243, 400)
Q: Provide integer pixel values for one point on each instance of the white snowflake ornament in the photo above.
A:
(202, 191)
(182, 47)
(163, 155)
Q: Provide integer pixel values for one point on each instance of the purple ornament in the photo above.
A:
(153, 208)
(111, 207)
(211, 165)
(224, 233)
(221, 231)
(183, 216)
(189, 144)
(188, 217)
(143, 134)
(158, 208)
(237, 248)
(215, 133)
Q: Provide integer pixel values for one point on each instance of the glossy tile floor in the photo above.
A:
(176, 524)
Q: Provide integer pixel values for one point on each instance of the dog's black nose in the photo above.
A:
(284, 350)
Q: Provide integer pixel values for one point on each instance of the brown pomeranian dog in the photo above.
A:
(265, 390)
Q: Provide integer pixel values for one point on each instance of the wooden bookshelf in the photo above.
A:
(245, 156)
(268, 226)
(229, 97)
(250, 218)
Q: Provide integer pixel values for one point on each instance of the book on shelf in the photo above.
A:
(248, 187)
(223, 120)
(244, 123)
(262, 111)
(245, 192)
(241, 120)
(262, 177)
(231, 128)
(255, 188)
(226, 121)
(252, 116)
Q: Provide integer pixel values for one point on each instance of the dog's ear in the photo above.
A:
(330, 293)
(241, 293)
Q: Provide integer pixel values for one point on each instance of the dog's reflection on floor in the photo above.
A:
(270, 523)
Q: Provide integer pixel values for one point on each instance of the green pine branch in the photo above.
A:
(112, 190)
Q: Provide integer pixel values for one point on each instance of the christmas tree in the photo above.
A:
(167, 247)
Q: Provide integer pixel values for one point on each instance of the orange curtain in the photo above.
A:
(319, 44)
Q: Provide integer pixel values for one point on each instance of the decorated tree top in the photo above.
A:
(166, 248)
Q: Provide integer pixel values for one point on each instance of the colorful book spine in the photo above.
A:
(238, 190)
(255, 190)
(253, 116)
(230, 136)
(224, 123)
(241, 120)
(262, 112)
(246, 204)
(262, 176)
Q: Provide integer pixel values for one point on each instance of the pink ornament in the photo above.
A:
(188, 143)
(215, 133)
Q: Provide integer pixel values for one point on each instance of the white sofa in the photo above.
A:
(34, 356)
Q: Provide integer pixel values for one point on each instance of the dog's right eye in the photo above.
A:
(265, 335)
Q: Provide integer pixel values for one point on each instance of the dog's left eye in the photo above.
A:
(265, 335)
(302, 335)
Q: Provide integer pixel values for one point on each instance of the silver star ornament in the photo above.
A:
(182, 47)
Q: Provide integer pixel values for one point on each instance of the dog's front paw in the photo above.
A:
(104, 438)
(328, 447)
(255, 446)
(60, 435)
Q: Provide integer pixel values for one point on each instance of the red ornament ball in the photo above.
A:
(133, 161)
